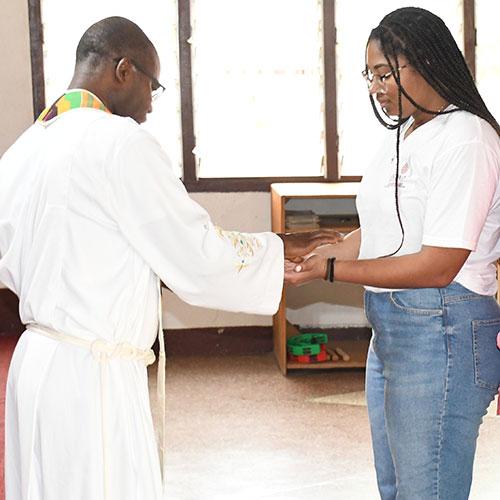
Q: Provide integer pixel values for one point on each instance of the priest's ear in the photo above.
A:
(123, 68)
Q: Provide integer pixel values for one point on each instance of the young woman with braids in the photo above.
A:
(429, 208)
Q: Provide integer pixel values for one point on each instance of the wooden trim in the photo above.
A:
(242, 340)
(350, 178)
(36, 49)
(257, 184)
(315, 190)
(186, 87)
(190, 177)
(331, 134)
(235, 184)
(470, 38)
(232, 340)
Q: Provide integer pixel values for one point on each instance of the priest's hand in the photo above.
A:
(299, 244)
(312, 268)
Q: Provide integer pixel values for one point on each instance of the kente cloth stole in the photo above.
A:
(71, 100)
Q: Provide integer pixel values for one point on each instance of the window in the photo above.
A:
(487, 60)
(61, 33)
(258, 91)
(257, 88)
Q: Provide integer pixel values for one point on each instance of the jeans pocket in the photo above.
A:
(417, 302)
(486, 353)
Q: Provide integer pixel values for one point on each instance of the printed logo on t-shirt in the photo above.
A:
(404, 173)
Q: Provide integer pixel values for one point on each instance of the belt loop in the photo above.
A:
(442, 292)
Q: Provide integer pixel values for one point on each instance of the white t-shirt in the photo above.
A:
(449, 196)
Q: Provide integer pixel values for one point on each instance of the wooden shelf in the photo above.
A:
(280, 194)
(316, 189)
(357, 350)
(344, 224)
(305, 229)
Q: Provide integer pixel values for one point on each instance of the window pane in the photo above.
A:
(359, 131)
(63, 30)
(257, 84)
(487, 60)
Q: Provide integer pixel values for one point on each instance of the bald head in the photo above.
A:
(118, 63)
(111, 38)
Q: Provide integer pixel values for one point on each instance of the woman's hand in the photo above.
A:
(312, 268)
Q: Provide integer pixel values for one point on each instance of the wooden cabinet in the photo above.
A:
(280, 194)
(282, 329)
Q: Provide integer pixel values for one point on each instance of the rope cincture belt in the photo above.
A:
(102, 352)
(100, 349)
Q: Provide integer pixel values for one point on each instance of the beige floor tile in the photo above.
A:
(238, 430)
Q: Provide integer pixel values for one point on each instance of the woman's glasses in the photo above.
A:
(380, 80)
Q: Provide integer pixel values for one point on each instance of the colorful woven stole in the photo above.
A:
(71, 100)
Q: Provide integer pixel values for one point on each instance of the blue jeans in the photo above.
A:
(433, 369)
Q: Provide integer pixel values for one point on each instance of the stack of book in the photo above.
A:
(301, 220)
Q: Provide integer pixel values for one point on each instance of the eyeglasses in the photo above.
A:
(380, 80)
(157, 88)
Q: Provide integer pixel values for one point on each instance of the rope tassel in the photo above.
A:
(160, 387)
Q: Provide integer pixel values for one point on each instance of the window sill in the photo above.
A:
(262, 184)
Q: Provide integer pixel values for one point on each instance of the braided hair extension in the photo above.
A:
(429, 47)
(398, 139)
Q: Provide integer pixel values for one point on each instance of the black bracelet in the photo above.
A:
(327, 273)
(330, 270)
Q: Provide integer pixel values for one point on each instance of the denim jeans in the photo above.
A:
(433, 368)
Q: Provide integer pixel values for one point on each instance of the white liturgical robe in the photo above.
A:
(91, 214)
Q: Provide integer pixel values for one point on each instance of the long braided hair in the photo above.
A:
(429, 47)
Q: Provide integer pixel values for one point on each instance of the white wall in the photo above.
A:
(238, 211)
(248, 212)
(16, 105)
(317, 304)
(16, 108)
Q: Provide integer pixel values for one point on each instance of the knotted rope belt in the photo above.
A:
(103, 351)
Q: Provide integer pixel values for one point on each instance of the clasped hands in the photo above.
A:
(302, 264)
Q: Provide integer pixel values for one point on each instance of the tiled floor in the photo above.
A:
(238, 430)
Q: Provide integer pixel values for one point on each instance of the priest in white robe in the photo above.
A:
(91, 216)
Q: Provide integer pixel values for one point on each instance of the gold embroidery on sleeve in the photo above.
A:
(244, 244)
